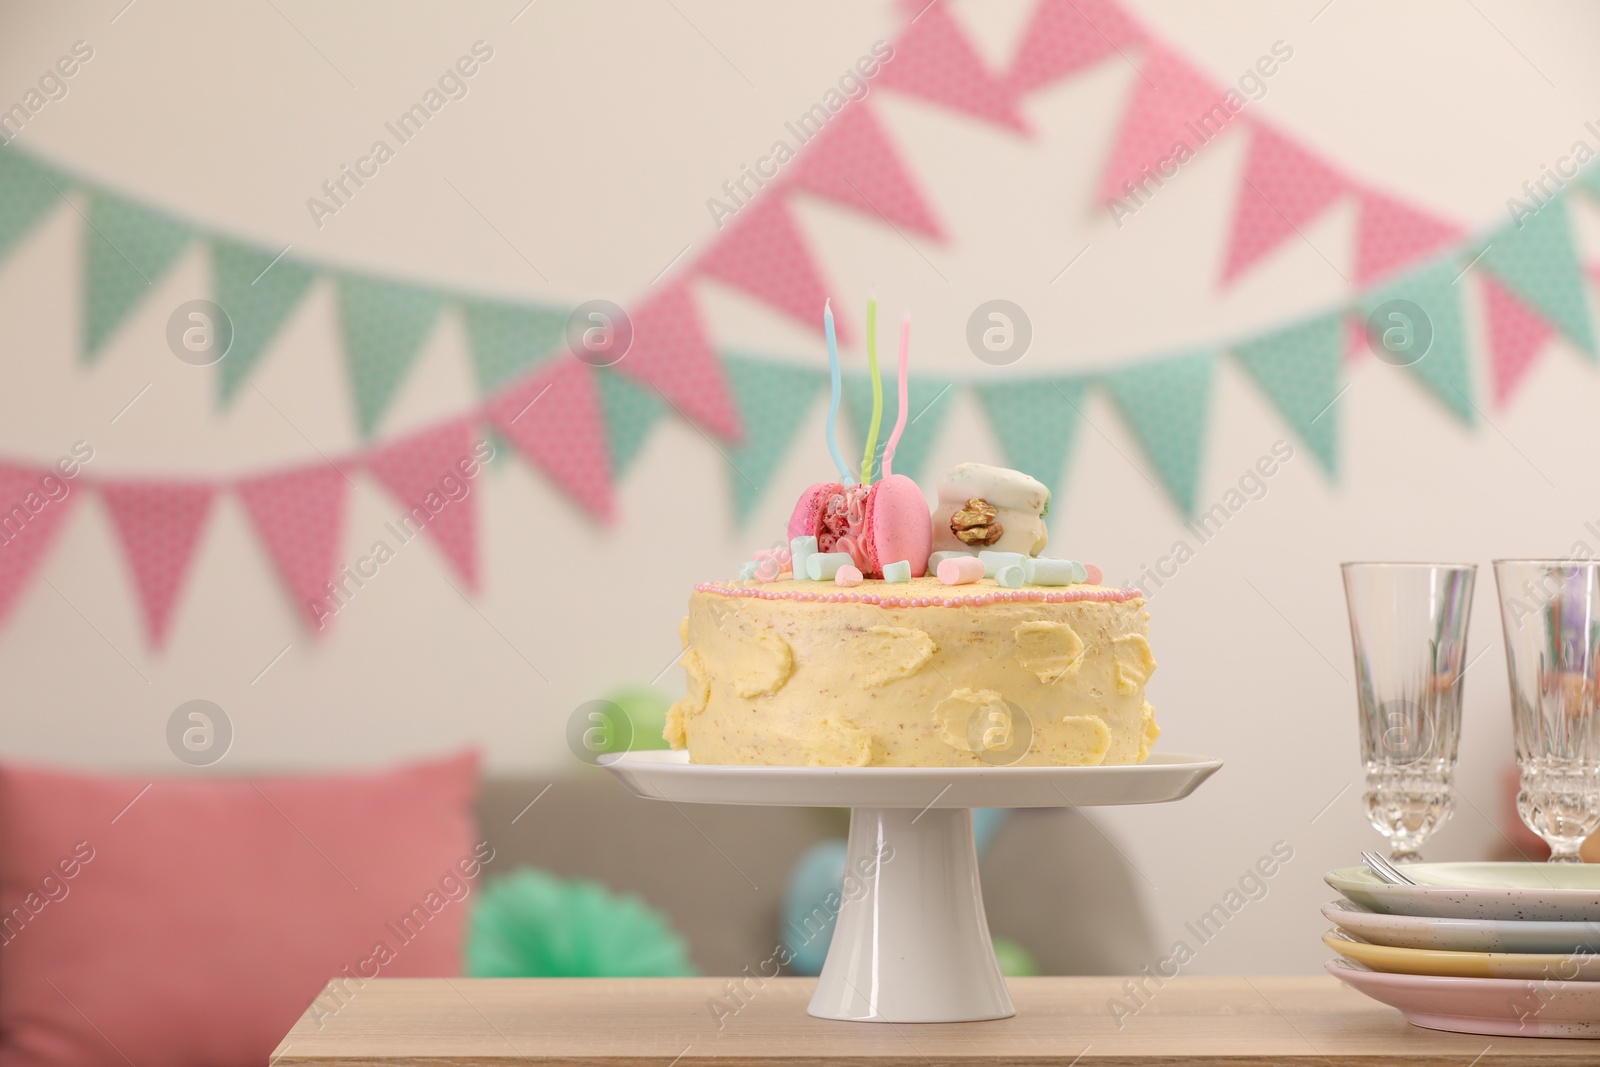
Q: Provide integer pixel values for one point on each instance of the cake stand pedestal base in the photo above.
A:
(911, 943)
(910, 939)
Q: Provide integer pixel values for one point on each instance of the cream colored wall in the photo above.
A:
(591, 141)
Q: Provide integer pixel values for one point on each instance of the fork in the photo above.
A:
(1385, 870)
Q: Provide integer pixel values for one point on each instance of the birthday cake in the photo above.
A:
(879, 635)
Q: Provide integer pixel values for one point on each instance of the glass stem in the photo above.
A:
(1565, 856)
(1404, 855)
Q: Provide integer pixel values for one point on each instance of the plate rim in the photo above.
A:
(1401, 978)
(1344, 875)
(1478, 1006)
(663, 775)
(664, 759)
(1399, 919)
(1449, 954)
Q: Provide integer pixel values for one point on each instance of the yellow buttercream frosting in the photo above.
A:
(1135, 663)
(1048, 649)
(765, 666)
(808, 683)
(891, 652)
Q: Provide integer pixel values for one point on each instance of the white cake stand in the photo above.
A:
(912, 945)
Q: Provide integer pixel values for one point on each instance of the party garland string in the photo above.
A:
(931, 19)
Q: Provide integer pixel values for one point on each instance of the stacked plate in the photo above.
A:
(1480, 948)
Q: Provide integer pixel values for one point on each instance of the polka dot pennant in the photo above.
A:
(1536, 259)
(159, 525)
(299, 515)
(385, 325)
(127, 250)
(1299, 369)
(774, 399)
(1166, 405)
(1036, 421)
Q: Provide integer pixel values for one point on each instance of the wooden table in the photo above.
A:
(695, 1022)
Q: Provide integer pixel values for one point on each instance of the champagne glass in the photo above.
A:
(1408, 631)
(1550, 616)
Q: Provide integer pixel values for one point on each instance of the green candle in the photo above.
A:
(877, 392)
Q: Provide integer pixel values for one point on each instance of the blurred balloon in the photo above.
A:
(646, 707)
(811, 904)
(986, 822)
(1015, 961)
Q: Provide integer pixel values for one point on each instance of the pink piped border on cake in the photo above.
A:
(1042, 596)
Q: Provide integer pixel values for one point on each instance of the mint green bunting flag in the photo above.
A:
(929, 401)
(1537, 260)
(1435, 292)
(1166, 404)
(630, 414)
(1036, 420)
(385, 326)
(509, 338)
(1298, 368)
(127, 248)
(773, 399)
(258, 290)
(27, 190)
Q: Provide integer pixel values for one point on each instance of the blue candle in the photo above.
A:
(833, 401)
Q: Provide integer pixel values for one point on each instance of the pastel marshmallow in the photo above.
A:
(1093, 574)
(800, 550)
(847, 575)
(824, 566)
(960, 570)
(747, 570)
(1051, 571)
(939, 557)
(1011, 577)
(993, 561)
(898, 571)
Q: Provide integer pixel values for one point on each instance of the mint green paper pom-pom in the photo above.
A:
(530, 924)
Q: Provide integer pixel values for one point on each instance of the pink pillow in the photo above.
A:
(190, 922)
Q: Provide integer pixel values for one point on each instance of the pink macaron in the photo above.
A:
(894, 522)
(897, 525)
(806, 519)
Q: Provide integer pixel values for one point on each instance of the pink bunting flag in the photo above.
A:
(299, 515)
(434, 475)
(672, 354)
(934, 61)
(763, 254)
(1391, 235)
(853, 162)
(159, 525)
(1516, 337)
(33, 506)
(555, 419)
(1064, 36)
(1283, 188)
(1173, 105)
(1355, 339)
